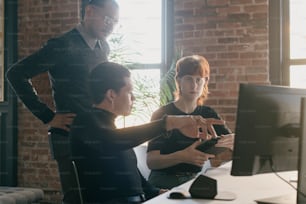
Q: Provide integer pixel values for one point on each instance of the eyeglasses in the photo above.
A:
(108, 21)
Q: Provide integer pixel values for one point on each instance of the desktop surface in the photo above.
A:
(284, 199)
(246, 188)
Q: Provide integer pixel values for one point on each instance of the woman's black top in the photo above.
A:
(175, 140)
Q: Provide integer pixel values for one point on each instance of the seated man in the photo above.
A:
(104, 155)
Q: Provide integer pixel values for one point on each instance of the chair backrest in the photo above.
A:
(141, 154)
(75, 170)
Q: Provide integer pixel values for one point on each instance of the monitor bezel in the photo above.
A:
(249, 159)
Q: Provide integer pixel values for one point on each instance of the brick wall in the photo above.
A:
(231, 34)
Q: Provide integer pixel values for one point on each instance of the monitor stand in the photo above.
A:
(300, 196)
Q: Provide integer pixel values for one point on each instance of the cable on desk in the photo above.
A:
(275, 172)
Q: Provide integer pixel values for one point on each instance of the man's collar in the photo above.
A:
(103, 112)
(91, 42)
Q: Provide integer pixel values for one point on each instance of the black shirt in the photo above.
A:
(175, 140)
(105, 157)
(68, 60)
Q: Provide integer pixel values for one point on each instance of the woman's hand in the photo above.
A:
(193, 156)
(221, 158)
(226, 141)
(190, 125)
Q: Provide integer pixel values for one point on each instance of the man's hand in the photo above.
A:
(161, 191)
(62, 121)
(190, 125)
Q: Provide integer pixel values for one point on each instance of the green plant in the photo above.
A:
(167, 82)
(120, 52)
(149, 94)
(146, 92)
(145, 89)
(147, 98)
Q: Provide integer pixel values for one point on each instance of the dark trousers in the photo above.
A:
(168, 181)
(127, 200)
(60, 150)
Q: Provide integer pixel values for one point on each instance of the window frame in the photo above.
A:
(279, 43)
(167, 48)
(167, 52)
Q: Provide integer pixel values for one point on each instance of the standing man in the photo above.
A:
(68, 59)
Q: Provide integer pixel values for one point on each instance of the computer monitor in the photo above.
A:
(302, 155)
(267, 129)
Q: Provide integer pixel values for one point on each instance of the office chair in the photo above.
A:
(141, 154)
(76, 174)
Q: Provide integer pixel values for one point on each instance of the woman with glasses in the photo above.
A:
(174, 159)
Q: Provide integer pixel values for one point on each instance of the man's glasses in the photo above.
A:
(108, 21)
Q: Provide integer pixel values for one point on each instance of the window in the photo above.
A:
(139, 43)
(297, 43)
(288, 43)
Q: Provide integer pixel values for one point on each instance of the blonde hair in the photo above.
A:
(190, 65)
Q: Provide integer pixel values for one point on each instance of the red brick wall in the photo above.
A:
(39, 20)
(231, 34)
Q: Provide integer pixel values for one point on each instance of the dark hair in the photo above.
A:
(106, 76)
(101, 3)
(190, 65)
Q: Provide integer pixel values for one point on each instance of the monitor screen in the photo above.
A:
(267, 129)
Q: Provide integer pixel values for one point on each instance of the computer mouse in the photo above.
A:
(177, 195)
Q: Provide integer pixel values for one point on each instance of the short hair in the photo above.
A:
(106, 76)
(100, 3)
(190, 65)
